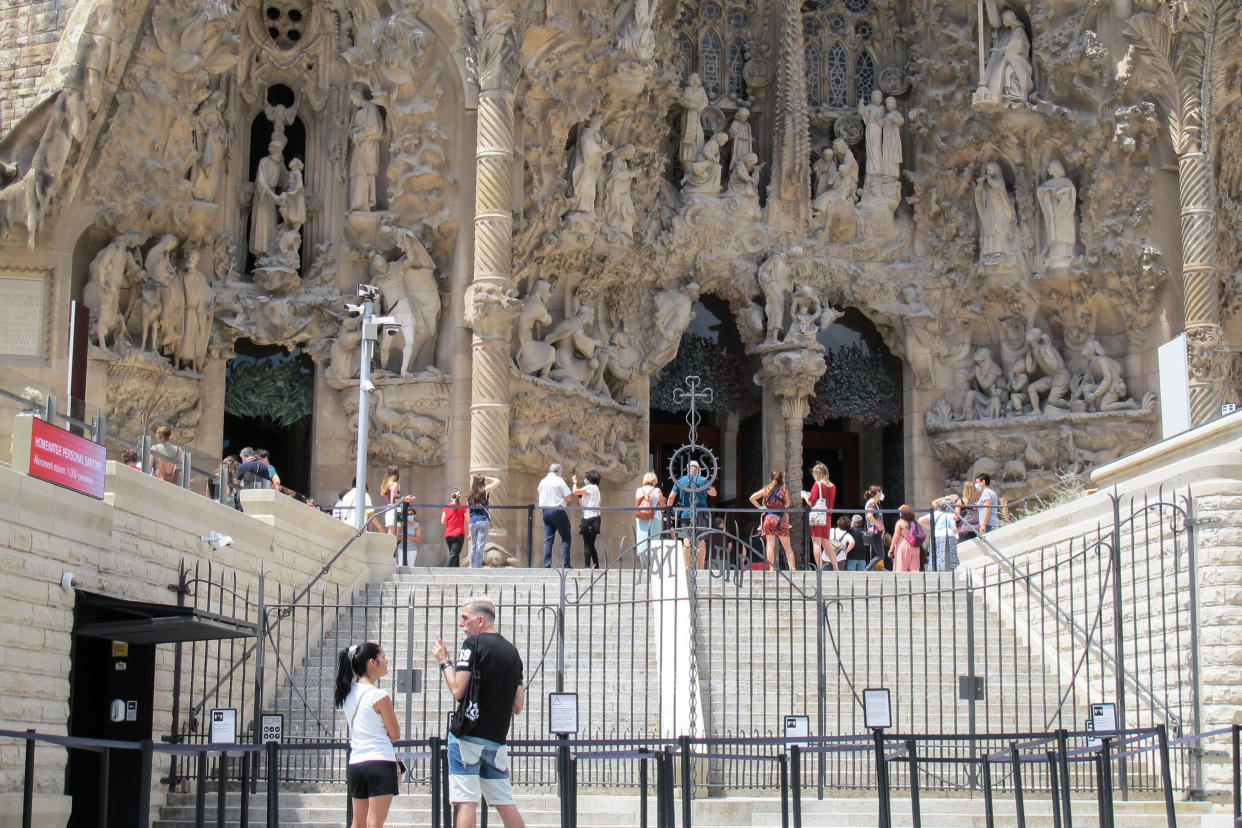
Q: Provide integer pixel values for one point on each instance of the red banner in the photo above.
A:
(66, 459)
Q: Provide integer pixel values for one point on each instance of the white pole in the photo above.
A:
(364, 414)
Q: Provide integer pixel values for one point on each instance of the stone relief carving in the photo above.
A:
(547, 426)
(998, 222)
(703, 175)
(1058, 201)
(693, 102)
(1008, 75)
(366, 130)
(586, 164)
(619, 213)
(411, 296)
(115, 268)
(835, 205)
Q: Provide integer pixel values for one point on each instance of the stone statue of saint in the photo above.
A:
(618, 203)
(744, 178)
(1058, 200)
(1008, 72)
(366, 130)
(161, 269)
(265, 201)
(1055, 380)
(986, 396)
(890, 155)
(776, 282)
(635, 36)
(293, 198)
(825, 169)
(585, 165)
(998, 223)
(741, 136)
(211, 139)
(873, 135)
(196, 333)
(808, 317)
(109, 271)
(1104, 388)
(534, 357)
(836, 206)
(703, 175)
(693, 102)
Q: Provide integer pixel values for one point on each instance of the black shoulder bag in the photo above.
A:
(463, 719)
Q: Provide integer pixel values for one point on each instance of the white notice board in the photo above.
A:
(877, 710)
(562, 713)
(223, 725)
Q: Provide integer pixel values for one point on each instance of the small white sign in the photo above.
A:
(131, 710)
(877, 711)
(797, 727)
(1228, 408)
(562, 713)
(273, 728)
(1103, 717)
(223, 725)
(1174, 386)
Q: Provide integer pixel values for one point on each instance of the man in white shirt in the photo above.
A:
(553, 494)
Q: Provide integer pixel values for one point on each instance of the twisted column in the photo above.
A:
(491, 300)
(1205, 345)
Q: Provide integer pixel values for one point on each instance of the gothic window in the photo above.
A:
(710, 60)
(812, 76)
(711, 40)
(843, 33)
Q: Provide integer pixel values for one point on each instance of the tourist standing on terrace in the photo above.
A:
(648, 501)
(687, 528)
(552, 496)
(989, 504)
(774, 497)
(372, 723)
(453, 518)
(874, 535)
(481, 487)
(390, 490)
(821, 499)
(165, 457)
(903, 550)
(589, 498)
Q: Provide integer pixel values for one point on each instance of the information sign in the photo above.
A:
(58, 456)
(273, 728)
(563, 713)
(796, 727)
(877, 711)
(223, 725)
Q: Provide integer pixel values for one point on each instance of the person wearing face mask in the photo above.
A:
(989, 504)
(874, 521)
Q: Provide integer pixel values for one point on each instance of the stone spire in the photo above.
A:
(789, 191)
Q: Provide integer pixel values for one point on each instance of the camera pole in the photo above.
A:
(371, 325)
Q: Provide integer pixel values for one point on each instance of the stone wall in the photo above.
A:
(28, 33)
(131, 546)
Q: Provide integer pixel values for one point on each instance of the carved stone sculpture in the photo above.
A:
(703, 175)
(281, 117)
(1054, 379)
(998, 223)
(825, 169)
(410, 296)
(576, 358)
(196, 331)
(693, 102)
(211, 139)
(293, 197)
(872, 115)
(776, 282)
(744, 177)
(741, 136)
(986, 396)
(534, 357)
(1008, 75)
(808, 318)
(1058, 201)
(110, 271)
(634, 33)
(266, 200)
(585, 165)
(836, 207)
(1103, 388)
(890, 155)
(366, 130)
(674, 309)
(618, 203)
(164, 317)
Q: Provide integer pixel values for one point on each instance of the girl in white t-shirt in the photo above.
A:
(589, 498)
(372, 725)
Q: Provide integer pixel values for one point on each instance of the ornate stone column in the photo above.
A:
(491, 300)
(791, 375)
(1207, 356)
(789, 188)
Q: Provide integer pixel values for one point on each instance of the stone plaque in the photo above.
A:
(22, 315)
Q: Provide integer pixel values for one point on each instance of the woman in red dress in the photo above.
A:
(774, 498)
(826, 491)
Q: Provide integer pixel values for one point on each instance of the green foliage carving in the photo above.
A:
(278, 388)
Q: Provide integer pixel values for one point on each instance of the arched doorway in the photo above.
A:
(268, 403)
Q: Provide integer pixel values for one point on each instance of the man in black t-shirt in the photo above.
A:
(479, 759)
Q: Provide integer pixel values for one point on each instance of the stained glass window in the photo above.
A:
(737, 61)
(811, 27)
(711, 64)
(838, 75)
(738, 18)
(864, 76)
(686, 48)
(863, 31)
(858, 6)
(813, 97)
(710, 12)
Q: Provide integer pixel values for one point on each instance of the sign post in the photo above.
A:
(563, 723)
(49, 453)
(878, 716)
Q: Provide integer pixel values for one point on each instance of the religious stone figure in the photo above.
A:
(825, 169)
(1057, 201)
(890, 155)
(534, 357)
(742, 138)
(293, 197)
(703, 175)
(618, 203)
(366, 130)
(1055, 380)
(1008, 72)
(998, 227)
(986, 396)
(410, 296)
(808, 318)
(109, 271)
(211, 139)
(744, 177)
(585, 165)
(693, 102)
(674, 310)
(776, 282)
(836, 206)
(169, 306)
(575, 348)
(873, 135)
(264, 203)
(196, 333)
(634, 33)
(281, 116)
(1103, 388)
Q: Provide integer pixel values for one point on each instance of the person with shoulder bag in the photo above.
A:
(821, 499)
(374, 771)
(648, 518)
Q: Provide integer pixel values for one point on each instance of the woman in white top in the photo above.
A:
(945, 532)
(589, 498)
(372, 723)
(648, 519)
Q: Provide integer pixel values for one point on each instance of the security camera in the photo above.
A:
(352, 309)
(368, 292)
(68, 581)
(217, 540)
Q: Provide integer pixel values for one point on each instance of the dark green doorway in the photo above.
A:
(268, 403)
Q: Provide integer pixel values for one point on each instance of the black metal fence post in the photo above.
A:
(795, 783)
(881, 778)
(243, 803)
(144, 782)
(444, 791)
(562, 773)
(989, 810)
(222, 776)
(783, 764)
(1054, 792)
(687, 783)
(1063, 760)
(105, 768)
(530, 535)
(1166, 775)
(273, 784)
(1237, 773)
(433, 746)
(200, 791)
(1119, 642)
(642, 788)
(916, 811)
(1016, 759)
(28, 781)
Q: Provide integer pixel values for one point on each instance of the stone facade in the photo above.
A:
(541, 191)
